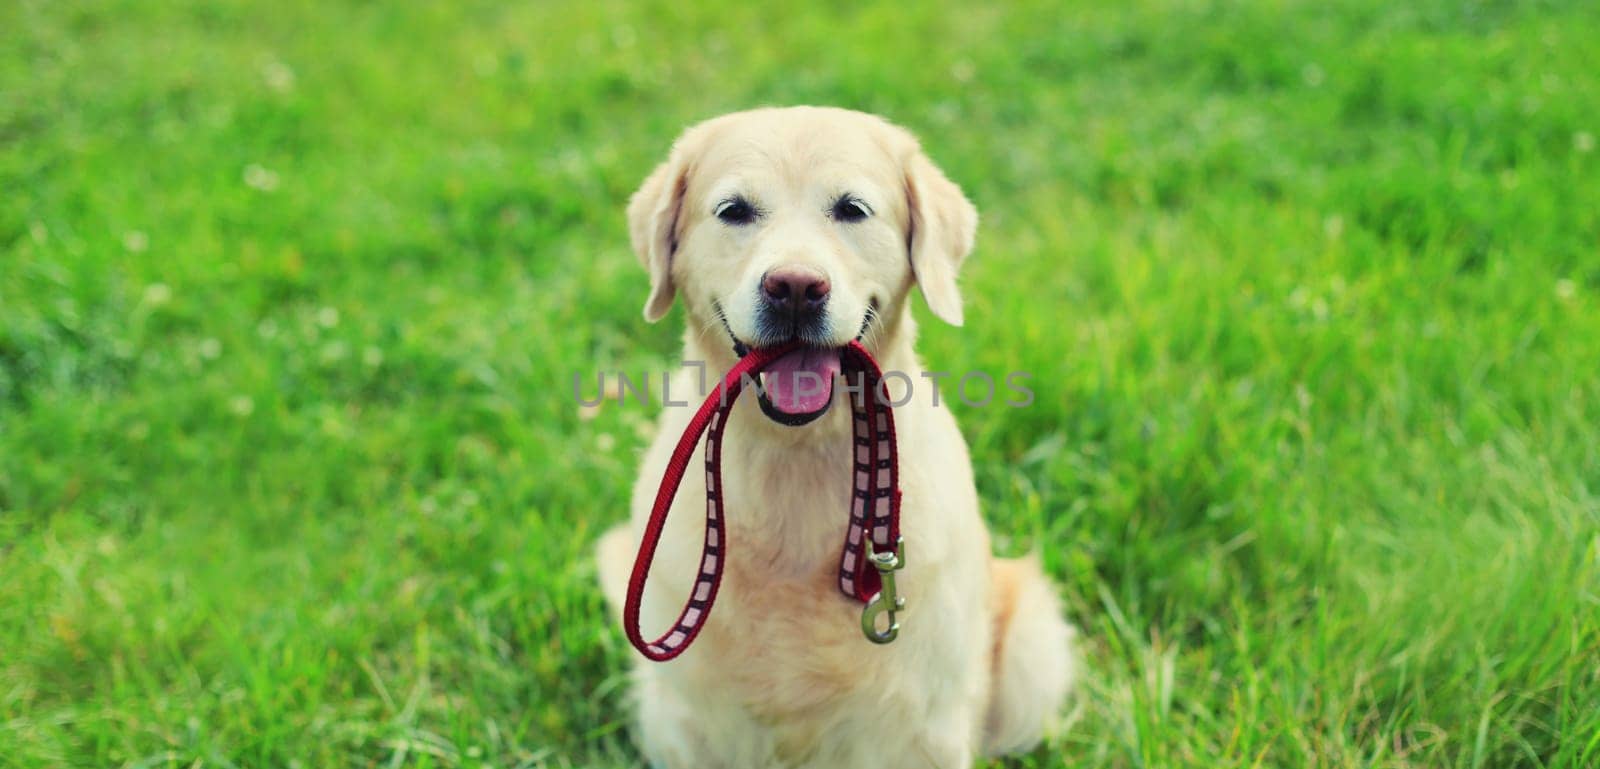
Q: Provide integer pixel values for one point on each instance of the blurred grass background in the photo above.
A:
(291, 295)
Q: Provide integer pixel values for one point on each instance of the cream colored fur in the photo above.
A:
(781, 675)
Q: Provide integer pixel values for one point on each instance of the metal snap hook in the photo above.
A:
(886, 600)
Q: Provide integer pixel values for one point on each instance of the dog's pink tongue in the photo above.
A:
(802, 381)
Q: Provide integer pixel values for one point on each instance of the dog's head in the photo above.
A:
(800, 223)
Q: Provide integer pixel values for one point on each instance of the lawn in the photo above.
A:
(292, 295)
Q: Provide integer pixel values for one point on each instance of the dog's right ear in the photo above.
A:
(942, 225)
(653, 214)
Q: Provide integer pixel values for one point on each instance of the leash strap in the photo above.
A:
(875, 492)
(874, 509)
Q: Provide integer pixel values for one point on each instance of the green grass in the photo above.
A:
(291, 295)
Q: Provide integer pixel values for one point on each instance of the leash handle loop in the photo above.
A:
(712, 415)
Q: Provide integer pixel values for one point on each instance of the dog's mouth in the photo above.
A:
(797, 388)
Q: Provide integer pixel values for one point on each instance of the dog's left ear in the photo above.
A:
(653, 214)
(942, 226)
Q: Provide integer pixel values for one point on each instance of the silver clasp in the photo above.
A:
(885, 601)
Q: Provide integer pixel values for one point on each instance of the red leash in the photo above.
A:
(874, 507)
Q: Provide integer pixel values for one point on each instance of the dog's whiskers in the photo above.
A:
(869, 325)
(739, 347)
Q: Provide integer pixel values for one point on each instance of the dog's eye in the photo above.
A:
(735, 211)
(849, 209)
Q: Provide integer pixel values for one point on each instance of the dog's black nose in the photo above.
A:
(795, 292)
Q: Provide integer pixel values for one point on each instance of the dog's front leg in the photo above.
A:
(614, 559)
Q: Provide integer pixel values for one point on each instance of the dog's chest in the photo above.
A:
(789, 654)
(783, 636)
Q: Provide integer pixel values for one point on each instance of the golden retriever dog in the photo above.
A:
(814, 224)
